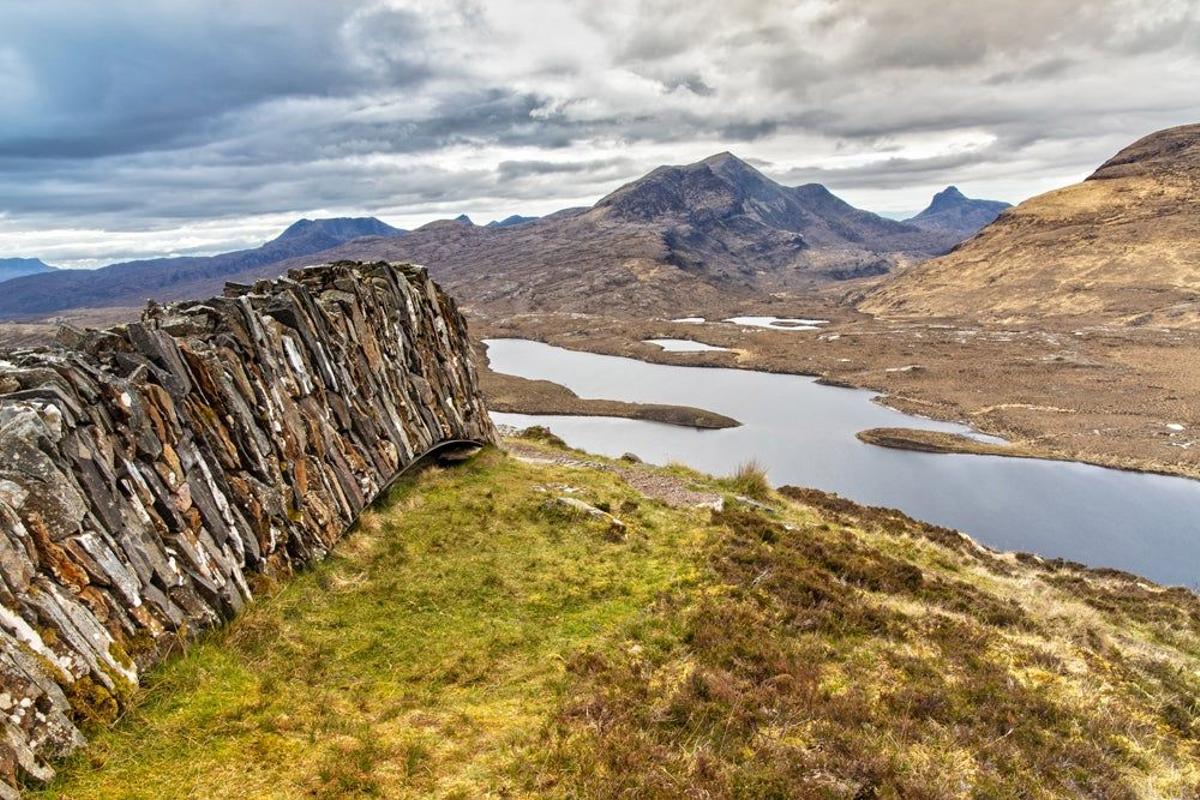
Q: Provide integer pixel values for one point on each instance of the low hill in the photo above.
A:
(16, 267)
(132, 283)
(953, 212)
(493, 631)
(1122, 246)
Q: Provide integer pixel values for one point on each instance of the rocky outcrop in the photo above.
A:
(153, 471)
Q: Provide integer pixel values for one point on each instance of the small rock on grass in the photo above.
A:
(616, 528)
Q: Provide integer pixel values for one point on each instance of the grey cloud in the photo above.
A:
(888, 173)
(518, 170)
(1047, 68)
(917, 34)
(130, 76)
(172, 112)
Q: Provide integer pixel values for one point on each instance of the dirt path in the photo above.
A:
(668, 489)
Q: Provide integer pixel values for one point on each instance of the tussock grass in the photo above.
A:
(468, 641)
(749, 480)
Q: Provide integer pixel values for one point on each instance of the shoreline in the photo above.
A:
(513, 394)
(906, 405)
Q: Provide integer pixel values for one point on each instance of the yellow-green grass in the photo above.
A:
(473, 640)
(418, 661)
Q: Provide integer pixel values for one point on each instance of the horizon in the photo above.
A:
(92, 264)
(197, 129)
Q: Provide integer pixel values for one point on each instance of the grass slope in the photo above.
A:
(472, 639)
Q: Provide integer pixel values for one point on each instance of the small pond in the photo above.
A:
(686, 346)
(779, 323)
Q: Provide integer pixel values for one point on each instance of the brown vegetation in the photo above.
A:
(1123, 245)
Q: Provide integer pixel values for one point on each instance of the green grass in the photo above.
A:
(470, 641)
(416, 662)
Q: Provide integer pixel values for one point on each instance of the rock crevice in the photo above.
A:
(152, 470)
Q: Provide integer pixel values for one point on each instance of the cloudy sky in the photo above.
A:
(133, 128)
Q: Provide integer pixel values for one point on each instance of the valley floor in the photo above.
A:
(1114, 396)
(478, 636)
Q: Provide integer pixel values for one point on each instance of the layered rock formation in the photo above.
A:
(153, 470)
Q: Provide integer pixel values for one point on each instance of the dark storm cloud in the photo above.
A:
(147, 115)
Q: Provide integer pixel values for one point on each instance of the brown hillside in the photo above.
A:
(1122, 246)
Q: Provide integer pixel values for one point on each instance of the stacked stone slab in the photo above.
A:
(151, 471)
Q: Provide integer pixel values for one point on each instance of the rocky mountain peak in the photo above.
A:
(1171, 151)
(948, 198)
(335, 230)
(952, 211)
(313, 235)
(716, 159)
(739, 173)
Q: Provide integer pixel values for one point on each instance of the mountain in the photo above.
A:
(1122, 246)
(508, 222)
(314, 235)
(696, 232)
(709, 230)
(16, 267)
(131, 283)
(954, 212)
(724, 217)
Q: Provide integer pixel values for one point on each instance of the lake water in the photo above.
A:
(685, 346)
(804, 434)
(779, 323)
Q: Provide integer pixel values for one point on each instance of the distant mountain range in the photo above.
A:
(953, 212)
(678, 233)
(16, 267)
(1123, 245)
(133, 282)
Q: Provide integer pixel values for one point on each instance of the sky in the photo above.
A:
(137, 128)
